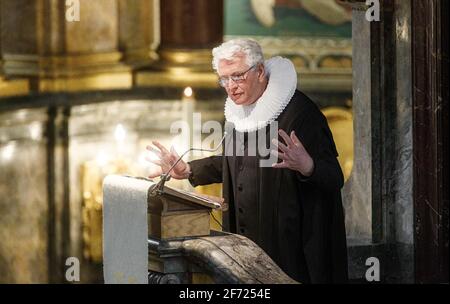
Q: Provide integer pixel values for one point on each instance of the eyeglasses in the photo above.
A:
(240, 78)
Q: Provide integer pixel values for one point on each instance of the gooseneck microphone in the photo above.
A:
(159, 188)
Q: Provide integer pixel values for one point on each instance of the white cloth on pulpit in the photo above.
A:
(125, 230)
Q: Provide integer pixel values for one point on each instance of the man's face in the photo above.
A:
(246, 91)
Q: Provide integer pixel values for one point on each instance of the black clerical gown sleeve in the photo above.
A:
(317, 139)
(206, 171)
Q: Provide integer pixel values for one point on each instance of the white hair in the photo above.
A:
(229, 49)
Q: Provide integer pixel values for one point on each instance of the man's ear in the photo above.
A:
(262, 72)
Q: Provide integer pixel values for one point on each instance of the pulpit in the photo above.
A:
(162, 235)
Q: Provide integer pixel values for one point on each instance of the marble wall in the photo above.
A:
(404, 147)
(8, 86)
(23, 39)
(357, 192)
(399, 187)
(97, 30)
(139, 30)
(23, 197)
(378, 197)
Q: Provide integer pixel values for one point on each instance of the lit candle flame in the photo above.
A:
(35, 131)
(102, 159)
(188, 92)
(8, 151)
(120, 133)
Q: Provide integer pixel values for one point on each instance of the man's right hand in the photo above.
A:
(166, 161)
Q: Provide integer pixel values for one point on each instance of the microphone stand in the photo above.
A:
(159, 188)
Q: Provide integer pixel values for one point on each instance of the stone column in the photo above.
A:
(24, 248)
(378, 195)
(139, 31)
(357, 192)
(60, 54)
(189, 31)
(10, 87)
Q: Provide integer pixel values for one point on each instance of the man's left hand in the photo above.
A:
(293, 154)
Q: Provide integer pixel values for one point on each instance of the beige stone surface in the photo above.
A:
(97, 30)
(23, 202)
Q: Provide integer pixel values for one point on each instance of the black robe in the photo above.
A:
(300, 220)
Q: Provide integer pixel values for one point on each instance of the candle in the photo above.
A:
(119, 135)
(188, 104)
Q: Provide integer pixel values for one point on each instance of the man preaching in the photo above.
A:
(293, 209)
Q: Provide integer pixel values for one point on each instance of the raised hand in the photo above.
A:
(166, 160)
(293, 154)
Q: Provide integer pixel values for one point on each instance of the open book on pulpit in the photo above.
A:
(212, 202)
(177, 213)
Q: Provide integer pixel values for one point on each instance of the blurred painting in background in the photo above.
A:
(297, 18)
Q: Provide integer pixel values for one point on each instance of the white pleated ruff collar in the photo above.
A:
(280, 89)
